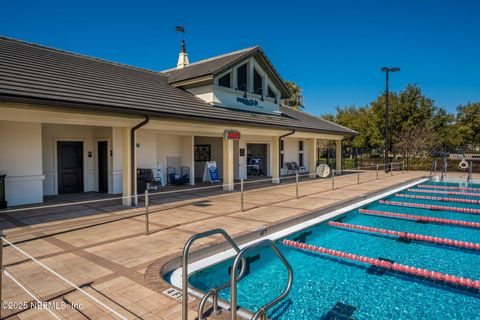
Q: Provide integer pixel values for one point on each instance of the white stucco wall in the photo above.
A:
(291, 152)
(21, 160)
(89, 135)
(216, 148)
(153, 148)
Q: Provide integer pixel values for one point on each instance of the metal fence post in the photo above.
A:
(241, 195)
(147, 227)
(333, 179)
(403, 166)
(391, 169)
(377, 171)
(296, 184)
(358, 175)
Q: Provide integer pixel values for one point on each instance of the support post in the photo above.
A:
(333, 179)
(313, 158)
(403, 166)
(338, 155)
(296, 185)
(391, 168)
(358, 175)
(127, 168)
(228, 164)
(241, 195)
(147, 226)
(276, 155)
(377, 171)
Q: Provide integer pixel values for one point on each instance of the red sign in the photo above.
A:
(232, 135)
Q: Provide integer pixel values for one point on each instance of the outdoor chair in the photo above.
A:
(299, 169)
(152, 183)
(185, 174)
(290, 168)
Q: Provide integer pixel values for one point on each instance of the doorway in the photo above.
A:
(102, 166)
(257, 159)
(70, 166)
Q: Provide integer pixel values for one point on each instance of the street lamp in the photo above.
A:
(387, 70)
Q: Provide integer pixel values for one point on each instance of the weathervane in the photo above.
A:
(182, 31)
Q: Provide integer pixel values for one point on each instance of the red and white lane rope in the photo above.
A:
(448, 278)
(456, 193)
(448, 187)
(421, 218)
(444, 199)
(410, 236)
(429, 206)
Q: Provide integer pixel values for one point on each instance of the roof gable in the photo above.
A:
(216, 65)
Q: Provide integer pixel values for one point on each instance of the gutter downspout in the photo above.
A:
(280, 152)
(132, 155)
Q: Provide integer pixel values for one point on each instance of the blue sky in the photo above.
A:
(333, 49)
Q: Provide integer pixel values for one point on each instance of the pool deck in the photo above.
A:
(106, 253)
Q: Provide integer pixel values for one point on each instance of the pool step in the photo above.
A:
(417, 218)
(408, 236)
(424, 273)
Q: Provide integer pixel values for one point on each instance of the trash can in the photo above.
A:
(3, 200)
(141, 180)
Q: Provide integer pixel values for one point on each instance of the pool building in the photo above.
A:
(71, 123)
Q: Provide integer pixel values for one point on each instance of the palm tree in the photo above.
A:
(296, 98)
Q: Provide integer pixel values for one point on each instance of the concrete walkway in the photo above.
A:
(105, 251)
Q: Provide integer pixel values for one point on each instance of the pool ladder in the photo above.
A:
(239, 261)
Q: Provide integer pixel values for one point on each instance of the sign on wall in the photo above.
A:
(232, 135)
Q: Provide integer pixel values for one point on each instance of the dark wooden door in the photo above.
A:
(102, 166)
(70, 166)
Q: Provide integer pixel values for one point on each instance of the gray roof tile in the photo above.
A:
(33, 72)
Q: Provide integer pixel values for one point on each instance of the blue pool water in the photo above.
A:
(331, 288)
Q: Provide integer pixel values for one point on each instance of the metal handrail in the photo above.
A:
(212, 292)
(263, 310)
(433, 168)
(444, 169)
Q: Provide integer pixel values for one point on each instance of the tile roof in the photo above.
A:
(29, 72)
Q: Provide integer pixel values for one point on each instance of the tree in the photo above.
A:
(468, 121)
(296, 98)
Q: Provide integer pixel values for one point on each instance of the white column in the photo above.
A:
(126, 161)
(228, 164)
(275, 160)
(338, 155)
(312, 143)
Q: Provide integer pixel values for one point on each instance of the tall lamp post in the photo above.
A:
(387, 70)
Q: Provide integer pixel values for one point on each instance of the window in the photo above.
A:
(242, 77)
(271, 93)
(257, 83)
(300, 153)
(300, 159)
(224, 81)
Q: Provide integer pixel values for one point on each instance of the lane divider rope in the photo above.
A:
(425, 273)
(444, 199)
(407, 235)
(429, 206)
(448, 187)
(421, 218)
(456, 193)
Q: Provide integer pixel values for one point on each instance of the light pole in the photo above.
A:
(387, 70)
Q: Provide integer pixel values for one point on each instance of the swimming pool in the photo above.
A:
(327, 287)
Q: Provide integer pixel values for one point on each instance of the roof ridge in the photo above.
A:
(215, 57)
(66, 52)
